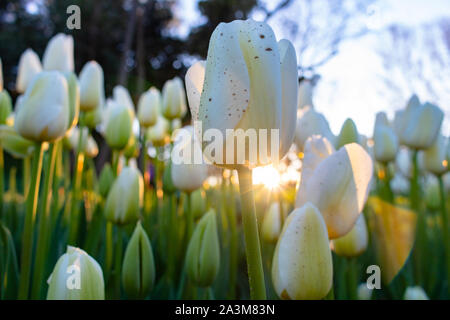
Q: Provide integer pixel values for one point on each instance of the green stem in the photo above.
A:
(189, 218)
(43, 226)
(352, 281)
(2, 181)
(251, 235)
(387, 183)
(445, 228)
(118, 262)
(27, 238)
(26, 176)
(109, 246)
(231, 210)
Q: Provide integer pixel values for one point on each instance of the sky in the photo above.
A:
(351, 84)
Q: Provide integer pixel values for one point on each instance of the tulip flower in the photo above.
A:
(310, 122)
(353, 243)
(59, 54)
(348, 134)
(132, 148)
(158, 134)
(44, 111)
(302, 265)
(419, 124)
(271, 227)
(76, 276)
(74, 98)
(29, 66)
(122, 96)
(125, 197)
(385, 140)
(138, 270)
(173, 99)
(14, 143)
(88, 144)
(305, 94)
(118, 126)
(364, 293)
(434, 158)
(399, 184)
(341, 199)
(5, 106)
(203, 252)
(189, 171)
(149, 107)
(92, 92)
(415, 293)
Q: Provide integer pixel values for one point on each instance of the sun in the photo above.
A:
(267, 175)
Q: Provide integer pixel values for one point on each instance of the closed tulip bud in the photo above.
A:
(29, 66)
(174, 99)
(353, 243)
(93, 118)
(125, 197)
(159, 133)
(44, 111)
(415, 293)
(381, 119)
(364, 293)
(302, 267)
(198, 203)
(385, 143)
(118, 126)
(348, 134)
(138, 270)
(341, 199)
(271, 226)
(419, 124)
(106, 180)
(76, 276)
(189, 171)
(309, 123)
(88, 144)
(203, 252)
(92, 92)
(59, 54)
(14, 143)
(149, 107)
(400, 184)
(5, 106)
(249, 81)
(305, 94)
(434, 158)
(122, 96)
(74, 98)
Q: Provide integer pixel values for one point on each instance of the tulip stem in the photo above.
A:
(26, 176)
(233, 241)
(387, 183)
(445, 228)
(118, 262)
(43, 231)
(2, 182)
(30, 213)
(251, 235)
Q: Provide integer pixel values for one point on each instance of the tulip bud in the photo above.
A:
(174, 100)
(88, 144)
(122, 96)
(44, 111)
(309, 123)
(5, 106)
(138, 270)
(198, 203)
(14, 143)
(305, 94)
(106, 180)
(29, 66)
(415, 293)
(385, 143)
(125, 197)
(348, 134)
(118, 126)
(271, 226)
(418, 125)
(92, 92)
(149, 107)
(59, 53)
(76, 276)
(158, 134)
(435, 157)
(364, 293)
(341, 199)
(74, 98)
(353, 243)
(93, 118)
(302, 267)
(203, 252)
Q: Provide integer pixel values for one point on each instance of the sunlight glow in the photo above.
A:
(267, 175)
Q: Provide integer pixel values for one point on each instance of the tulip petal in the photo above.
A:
(195, 77)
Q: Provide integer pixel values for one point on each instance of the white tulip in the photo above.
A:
(415, 293)
(76, 276)
(188, 169)
(310, 122)
(302, 267)
(435, 157)
(364, 293)
(59, 53)
(341, 198)
(44, 110)
(88, 144)
(149, 107)
(92, 92)
(418, 125)
(400, 184)
(305, 94)
(249, 81)
(271, 227)
(122, 96)
(353, 243)
(385, 142)
(29, 66)
(173, 99)
(158, 133)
